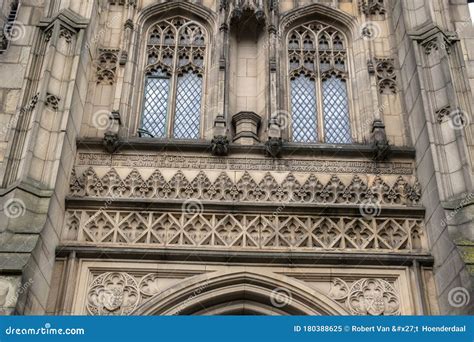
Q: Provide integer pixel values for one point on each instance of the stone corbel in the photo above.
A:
(274, 144)
(380, 142)
(111, 137)
(220, 142)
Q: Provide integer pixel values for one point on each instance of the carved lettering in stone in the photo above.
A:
(242, 164)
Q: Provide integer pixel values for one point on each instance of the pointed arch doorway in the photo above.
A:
(240, 293)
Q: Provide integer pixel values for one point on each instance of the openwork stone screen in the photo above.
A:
(318, 73)
(173, 79)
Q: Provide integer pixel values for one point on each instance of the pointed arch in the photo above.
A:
(256, 293)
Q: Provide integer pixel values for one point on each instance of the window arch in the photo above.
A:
(317, 59)
(173, 91)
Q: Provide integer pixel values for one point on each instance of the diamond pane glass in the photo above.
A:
(156, 106)
(303, 106)
(336, 112)
(188, 106)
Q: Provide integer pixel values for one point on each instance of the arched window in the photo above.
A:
(173, 80)
(318, 90)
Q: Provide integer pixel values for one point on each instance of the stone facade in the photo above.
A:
(100, 218)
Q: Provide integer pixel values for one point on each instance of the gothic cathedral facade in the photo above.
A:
(245, 157)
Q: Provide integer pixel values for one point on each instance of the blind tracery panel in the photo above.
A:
(173, 79)
(318, 90)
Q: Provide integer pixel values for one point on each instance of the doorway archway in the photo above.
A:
(240, 293)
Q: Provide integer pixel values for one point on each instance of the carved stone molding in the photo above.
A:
(107, 66)
(239, 7)
(30, 105)
(164, 160)
(223, 189)
(123, 2)
(274, 147)
(113, 293)
(52, 101)
(384, 69)
(220, 145)
(66, 34)
(245, 231)
(443, 113)
(372, 7)
(367, 296)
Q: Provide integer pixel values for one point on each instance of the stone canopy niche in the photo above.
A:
(248, 56)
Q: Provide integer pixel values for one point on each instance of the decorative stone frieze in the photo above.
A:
(384, 69)
(367, 296)
(175, 161)
(52, 101)
(443, 113)
(107, 66)
(66, 34)
(372, 7)
(246, 189)
(220, 145)
(30, 105)
(113, 293)
(245, 231)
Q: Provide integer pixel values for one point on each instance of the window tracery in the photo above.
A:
(173, 80)
(317, 58)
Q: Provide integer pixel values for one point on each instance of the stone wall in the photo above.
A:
(74, 75)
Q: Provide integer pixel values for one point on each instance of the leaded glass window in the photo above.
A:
(318, 85)
(173, 80)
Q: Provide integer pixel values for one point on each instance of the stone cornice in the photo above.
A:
(364, 151)
(428, 31)
(288, 208)
(69, 18)
(84, 250)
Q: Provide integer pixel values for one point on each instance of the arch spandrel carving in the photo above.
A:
(267, 293)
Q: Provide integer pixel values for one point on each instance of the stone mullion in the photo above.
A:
(223, 69)
(273, 63)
